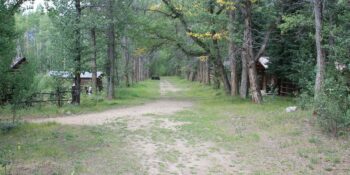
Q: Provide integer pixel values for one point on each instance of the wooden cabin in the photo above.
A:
(85, 78)
(272, 84)
(15, 66)
(266, 82)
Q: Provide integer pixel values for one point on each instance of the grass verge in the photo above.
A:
(137, 94)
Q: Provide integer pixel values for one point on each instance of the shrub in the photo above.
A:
(6, 156)
(333, 106)
(8, 126)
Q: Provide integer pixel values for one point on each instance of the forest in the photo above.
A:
(174, 87)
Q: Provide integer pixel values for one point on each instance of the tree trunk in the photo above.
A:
(243, 91)
(234, 78)
(221, 72)
(127, 61)
(93, 61)
(133, 79)
(248, 47)
(137, 62)
(140, 69)
(216, 77)
(320, 75)
(200, 71)
(207, 74)
(232, 55)
(111, 53)
(76, 98)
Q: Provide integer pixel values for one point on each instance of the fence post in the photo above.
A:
(14, 106)
(73, 94)
(59, 100)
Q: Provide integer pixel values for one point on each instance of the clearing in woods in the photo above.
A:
(190, 129)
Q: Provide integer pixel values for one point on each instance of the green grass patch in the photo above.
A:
(70, 147)
(136, 94)
(215, 114)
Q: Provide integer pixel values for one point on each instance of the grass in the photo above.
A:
(56, 149)
(261, 131)
(137, 94)
(214, 108)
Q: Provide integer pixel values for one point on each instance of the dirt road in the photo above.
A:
(146, 124)
(159, 107)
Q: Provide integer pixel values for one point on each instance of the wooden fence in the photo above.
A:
(58, 97)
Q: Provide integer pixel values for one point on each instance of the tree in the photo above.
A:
(77, 53)
(212, 48)
(233, 54)
(94, 60)
(321, 65)
(110, 64)
(16, 83)
(248, 52)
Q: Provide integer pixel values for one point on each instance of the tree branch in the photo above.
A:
(266, 39)
(180, 16)
(264, 45)
(181, 47)
(222, 8)
(16, 5)
(191, 52)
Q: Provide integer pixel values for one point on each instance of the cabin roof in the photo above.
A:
(67, 74)
(88, 75)
(340, 66)
(17, 62)
(62, 74)
(264, 61)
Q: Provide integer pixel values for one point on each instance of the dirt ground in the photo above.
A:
(172, 155)
(139, 113)
(160, 107)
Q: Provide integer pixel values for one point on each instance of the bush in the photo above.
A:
(7, 126)
(333, 106)
(6, 156)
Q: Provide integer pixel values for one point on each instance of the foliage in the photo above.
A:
(333, 108)
(15, 85)
(6, 157)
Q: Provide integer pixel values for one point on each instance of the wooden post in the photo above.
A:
(59, 99)
(14, 112)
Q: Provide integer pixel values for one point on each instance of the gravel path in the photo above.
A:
(166, 87)
(159, 107)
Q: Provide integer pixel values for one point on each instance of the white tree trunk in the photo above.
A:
(320, 68)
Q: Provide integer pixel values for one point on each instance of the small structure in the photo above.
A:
(85, 78)
(17, 62)
(272, 84)
(61, 74)
(340, 66)
(15, 66)
(266, 82)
